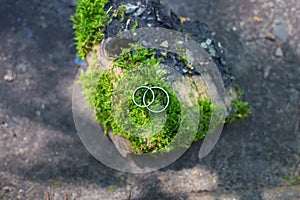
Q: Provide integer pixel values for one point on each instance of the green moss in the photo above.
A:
(120, 12)
(98, 89)
(240, 108)
(135, 25)
(139, 116)
(136, 62)
(141, 63)
(159, 138)
(88, 21)
(90, 18)
(205, 112)
(135, 56)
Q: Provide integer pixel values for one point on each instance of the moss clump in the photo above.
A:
(99, 89)
(88, 21)
(205, 111)
(135, 56)
(146, 135)
(239, 108)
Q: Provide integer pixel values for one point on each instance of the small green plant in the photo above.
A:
(240, 108)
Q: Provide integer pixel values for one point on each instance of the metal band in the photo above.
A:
(145, 105)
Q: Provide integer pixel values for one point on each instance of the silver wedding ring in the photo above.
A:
(147, 105)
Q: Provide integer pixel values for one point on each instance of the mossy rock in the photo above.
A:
(105, 70)
(103, 61)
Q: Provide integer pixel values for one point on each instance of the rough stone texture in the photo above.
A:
(288, 193)
(40, 151)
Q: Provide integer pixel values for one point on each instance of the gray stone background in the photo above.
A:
(42, 156)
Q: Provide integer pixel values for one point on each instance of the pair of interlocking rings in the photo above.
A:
(147, 105)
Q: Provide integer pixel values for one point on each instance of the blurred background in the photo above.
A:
(42, 156)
